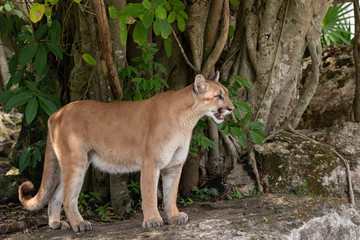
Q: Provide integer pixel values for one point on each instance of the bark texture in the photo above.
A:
(356, 47)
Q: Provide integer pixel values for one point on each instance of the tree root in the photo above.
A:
(344, 161)
(252, 163)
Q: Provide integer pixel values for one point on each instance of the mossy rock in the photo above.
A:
(293, 164)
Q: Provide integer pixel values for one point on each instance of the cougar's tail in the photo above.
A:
(49, 181)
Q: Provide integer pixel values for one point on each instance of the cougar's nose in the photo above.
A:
(230, 107)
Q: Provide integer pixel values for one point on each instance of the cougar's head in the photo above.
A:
(213, 98)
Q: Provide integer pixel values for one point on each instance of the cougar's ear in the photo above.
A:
(216, 77)
(199, 84)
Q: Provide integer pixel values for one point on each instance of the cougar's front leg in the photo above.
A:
(170, 179)
(148, 182)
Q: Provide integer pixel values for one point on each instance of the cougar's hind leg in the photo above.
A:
(73, 177)
(54, 209)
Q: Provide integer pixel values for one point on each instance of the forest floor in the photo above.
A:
(265, 216)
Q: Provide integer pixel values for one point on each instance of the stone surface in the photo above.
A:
(332, 102)
(268, 216)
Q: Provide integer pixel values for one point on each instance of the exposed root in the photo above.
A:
(252, 163)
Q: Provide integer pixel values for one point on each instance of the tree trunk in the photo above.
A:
(356, 46)
(4, 67)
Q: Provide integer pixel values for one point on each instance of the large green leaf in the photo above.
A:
(31, 110)
(89, 59)
(133, 10)
(48, 106)
(40, 60)
(160, 12)
(168, 46)
(148, 18)
(54, 48)
(17, 100)
(164, 27)
(140, 33)
(123, 33)
(27, 53)
(181, 23)
(113, 12)
(238, 132)
(24, 159)
(5, 95)
(36, 12)
(55, 31)
(258, 136)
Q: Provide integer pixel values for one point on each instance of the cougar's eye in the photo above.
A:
(219, 97)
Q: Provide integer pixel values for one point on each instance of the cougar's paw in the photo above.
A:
(82, 226)
(179, 219)
(59, 225)
(153, 223)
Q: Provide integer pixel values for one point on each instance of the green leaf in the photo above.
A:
(234, 2)
(31, 110)
(36, 12)
(123, 33)
(184, 15)
(137, 96)
(160, 12)
(256, 125)
(246, 119)
(36, 155)
(168, 46)
(54, 48)
(226, 130)
(258, 136)
(133, 10)
(89, 59)
(24, 159)
(77, 1)
(181, 23)
(32, 86)
(13, 63)
(17, 100)
(147, 4)
(48, 106)
(148, 18)
(243, 106)
(231, 31)
(16, 78)
(8, 7)
(27, 53)
(140, 33)
(240, 134)
(113, 12)
(237, 113)
(55, 31)
(40, 32)
(164, 27)
(172, 16)
(159, 2)
(243, 81)
(40, 61)
(5, 95)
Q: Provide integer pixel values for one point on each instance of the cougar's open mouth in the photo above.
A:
(219, 116)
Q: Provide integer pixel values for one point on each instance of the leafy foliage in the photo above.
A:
(336, 25)
(242, 126)
(143, 80)
(156, 13)
(237, 194)
(31, 88)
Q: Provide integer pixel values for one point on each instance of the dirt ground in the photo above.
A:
(267, 216)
